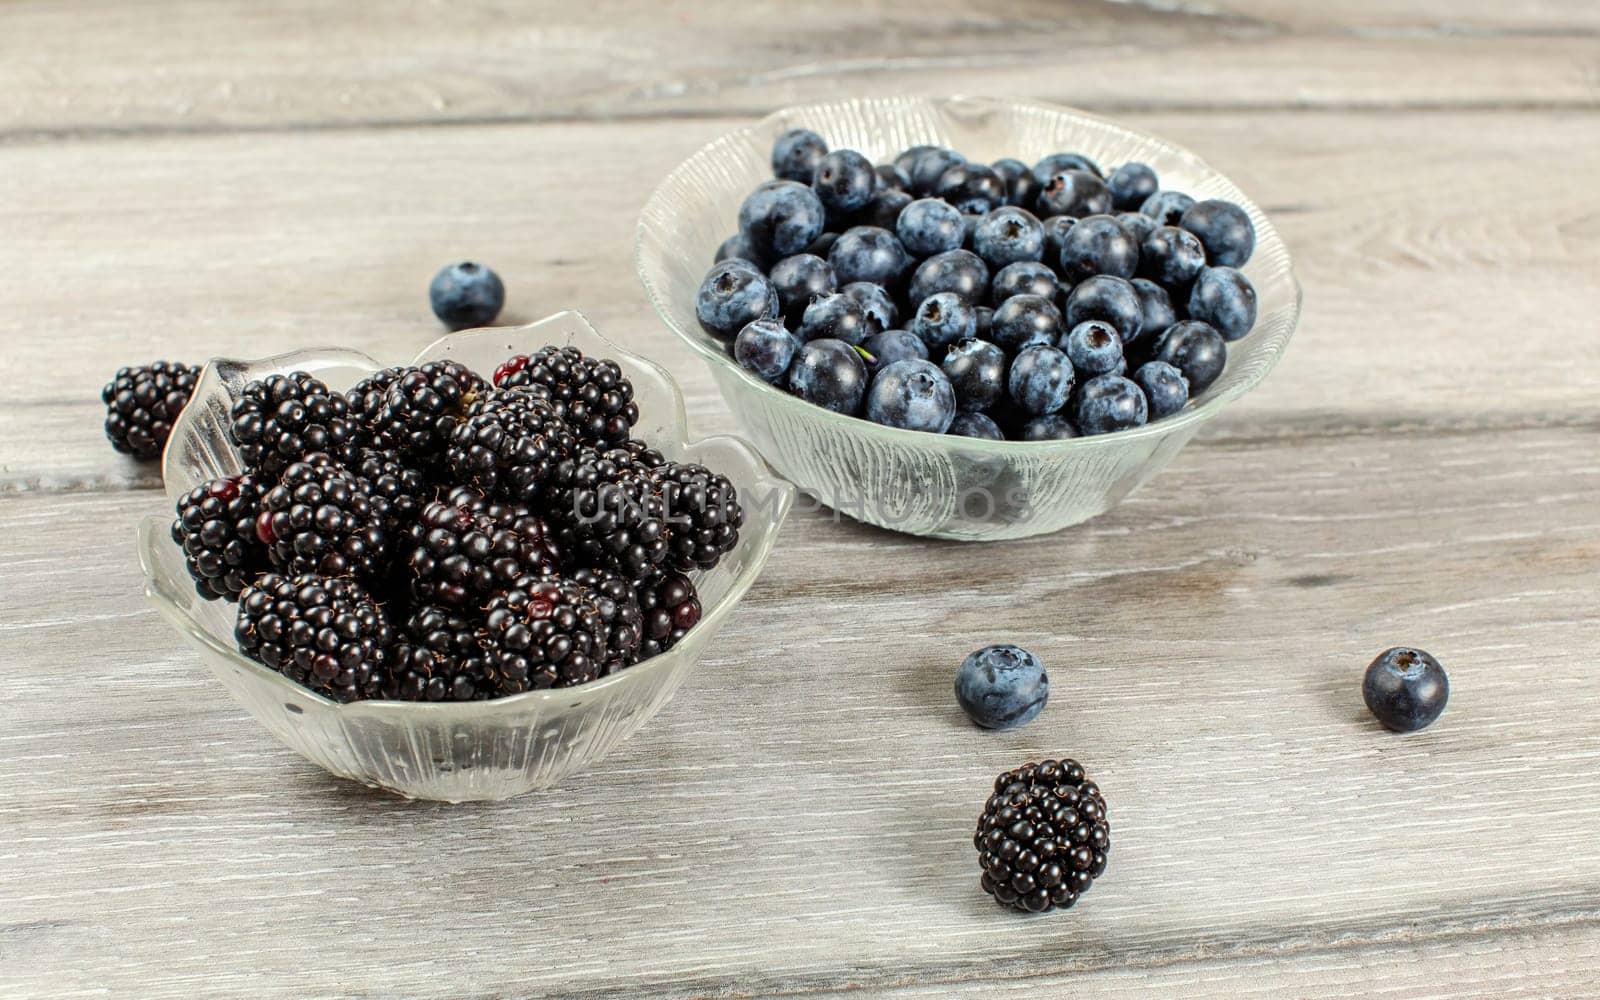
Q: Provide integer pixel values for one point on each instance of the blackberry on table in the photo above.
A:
(592, 394)
(143, 401)
(1043, 837)
(322, 518)
(610, 513)
(543, 633)
(619, 610)
(464, 551)
(670, 607)
(279, 420)
(703, 514)
(510, 442)
(439, 657)
(422, 407)
(324, 633)
(216, 528)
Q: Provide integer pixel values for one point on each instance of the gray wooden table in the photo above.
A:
(188, 180)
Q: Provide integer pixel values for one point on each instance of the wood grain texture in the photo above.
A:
(117, 67)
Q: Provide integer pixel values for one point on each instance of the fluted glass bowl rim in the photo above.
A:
(1198, 413)
(168, 594)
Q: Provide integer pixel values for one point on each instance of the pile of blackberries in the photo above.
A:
(991, 301)
(432, 535)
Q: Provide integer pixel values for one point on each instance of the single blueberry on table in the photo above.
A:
(796, 153)
(1002, 687)
(844, 181)
(780, 218)
(1008, 235)
(892, 178)
(868, 253)
(1196, 350)
(1405, 688)
(929, 226)
(894, 345)
(1041, 380)
(1024, 277)
(1094, 348)
(765, 348)
(1051, 427)
(1131, 185)
(1156, 309)
(976, 425)
(977, 373)
(734, 248)
(1109, 403)
(1171, 257)
(1164, 387)
(1107, 297)
(466, 295)
(1224, 230)
(835, 316)
(959, 271)
(1166, 207)
(1022, 188)
(1074, 192)
(1055, 163)
(1225, 299)
(972, 187)
(944, 319)
(929, 167)
(1098, 245)
(1025, 319)
(1056, 229)
(799, 280)
(913, 395)
(733, 295)
(830, 374)
(882, 210)
(1137, 224)
(876, 303)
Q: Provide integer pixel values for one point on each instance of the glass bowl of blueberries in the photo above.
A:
(966, 318)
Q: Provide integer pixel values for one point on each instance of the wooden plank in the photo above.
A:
(799, 819)
(117, 67)
(250, 245)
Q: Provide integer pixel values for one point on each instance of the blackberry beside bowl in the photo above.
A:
(456, 751)
(943, 486)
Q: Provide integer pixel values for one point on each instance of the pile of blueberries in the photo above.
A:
(990, 301)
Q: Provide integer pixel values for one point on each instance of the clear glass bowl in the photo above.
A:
(455, 751)
(925, 484)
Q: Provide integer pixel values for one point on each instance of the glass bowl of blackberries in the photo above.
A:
(966, 318)
(461, 578)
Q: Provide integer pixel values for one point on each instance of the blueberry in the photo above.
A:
(977, 372)
(1108, 298)
(1166, 207)
(928, 226)
(765, 348)
(1025, 319)
(1224, 230)
(820, 246)
(735, 248)
(1109, 403)
(780, 218)
(1131, 184)
(844, 181)
(972, 187)
(868, 253)
(1024, 277)
(1074, 192)
(1056, 229)
(1155, 307)
(876, 303)
(830, 374)
(969, 228)
(1007, 235)
(928, 167)
(1098, 245)
(913, 395)
(1055, 163)
(944, 319)
(985, 321)
(1225, 299)
(1196, 350)
(959, 271)
(465, 295)
(882, 210)
(1137, 224)
(894, 345)
(1040, 380)
(1405, 688)
(1094, 347)
(796, 153)
(734, 294)
(1051, 427)
(892, 178)
(1164, 387)
(798, 280)
(976, 425)
(835, 316)
(1022, 188)
(1171, 257)
(1002, 687)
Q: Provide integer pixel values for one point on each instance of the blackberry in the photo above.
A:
(404, 491)
(439, 657)
(1043, 836)
(510, 443)
(366, 398)
(469, 548)
(670, 607)
(619, 610)
(322, 518)
(278, 420)
(591, 394)
(703, 514)
(143, 401)
(216, 528)
(421, 409)
(324, 633)
(544, 633)
(610, 512)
